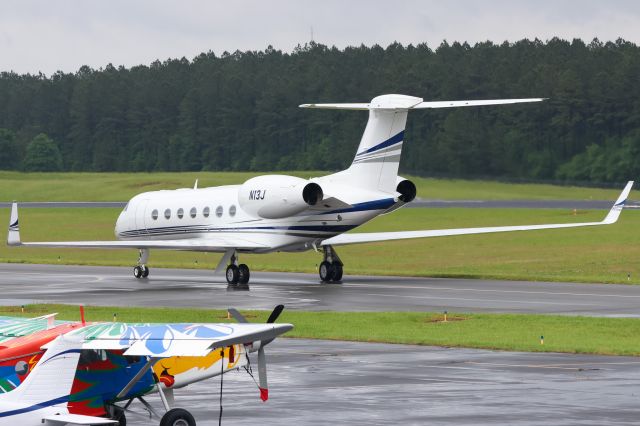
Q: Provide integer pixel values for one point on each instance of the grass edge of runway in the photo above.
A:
(509, 332)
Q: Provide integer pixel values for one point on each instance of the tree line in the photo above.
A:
(238, 111)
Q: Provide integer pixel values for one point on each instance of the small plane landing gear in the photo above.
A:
(177, 417)
(141, 270)
(330, 269)
(237, 275)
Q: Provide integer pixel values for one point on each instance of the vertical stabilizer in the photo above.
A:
(13, 238)
(51, 379)
(378, 157)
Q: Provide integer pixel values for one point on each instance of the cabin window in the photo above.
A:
(167, 214)
(193, 212)
(232, 210)
(219, 211)
(205, 212)
(180, 213)
(154, 214)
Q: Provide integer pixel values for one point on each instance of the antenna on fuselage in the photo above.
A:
(195, 185)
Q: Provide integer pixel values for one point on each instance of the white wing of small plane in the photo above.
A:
(167, 340)
(357, 238)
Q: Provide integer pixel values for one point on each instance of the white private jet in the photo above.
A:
(285, 213)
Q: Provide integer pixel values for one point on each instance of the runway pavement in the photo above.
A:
(22, 283)
(343, 383)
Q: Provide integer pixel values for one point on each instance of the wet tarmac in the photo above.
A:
(343, 383)
(115, 286)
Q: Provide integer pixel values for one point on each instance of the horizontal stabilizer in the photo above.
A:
(400, 102)
(77, 419)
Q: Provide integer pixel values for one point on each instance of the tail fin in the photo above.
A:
(375, 165)
(52, 377)
(13, 238)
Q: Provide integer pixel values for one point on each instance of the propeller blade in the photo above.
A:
(262, 374)
(275, 314)
(237, 315)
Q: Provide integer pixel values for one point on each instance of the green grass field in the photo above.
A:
(123, 186)
(600, 254)
(611, 336)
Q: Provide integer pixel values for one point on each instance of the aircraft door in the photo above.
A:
(141, 216)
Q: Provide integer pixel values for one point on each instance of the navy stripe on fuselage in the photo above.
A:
(39, 406)
(368, 205)
(391, 141)
(197, 229)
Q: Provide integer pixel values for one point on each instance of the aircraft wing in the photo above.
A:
(167, 340)
(358, 238)
(216, 243)
(12, 327)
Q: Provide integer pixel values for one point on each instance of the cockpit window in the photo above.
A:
(154, 214)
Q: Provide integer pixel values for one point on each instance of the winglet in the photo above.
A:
(615, 211)
(13, 238)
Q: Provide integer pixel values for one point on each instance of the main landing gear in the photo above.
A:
(141, 270)
(330, 270)
(237, 275)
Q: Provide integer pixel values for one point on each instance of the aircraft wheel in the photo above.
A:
(118, 414)
(145, 271)
(178, 417)
(337, 272)
(244, 274)
(233, 275)
(326, 271)
(137, 272)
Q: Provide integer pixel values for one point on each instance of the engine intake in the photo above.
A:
(312, 194)
(407, 190)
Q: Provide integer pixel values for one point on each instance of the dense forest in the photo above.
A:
(238, 111)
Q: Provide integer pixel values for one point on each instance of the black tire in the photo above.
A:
(326, 271)
(145, 271)
(337, 272)
(177, 417)
(233, 275)
(243, 270)
(118, 414)
(137, 272)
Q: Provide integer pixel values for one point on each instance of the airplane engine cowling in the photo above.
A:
(407, 190)
(278, 196)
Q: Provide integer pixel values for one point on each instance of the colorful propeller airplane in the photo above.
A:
(110, 363)
(272, 213)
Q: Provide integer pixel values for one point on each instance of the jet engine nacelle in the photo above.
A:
(407, 190)
(278, 196)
